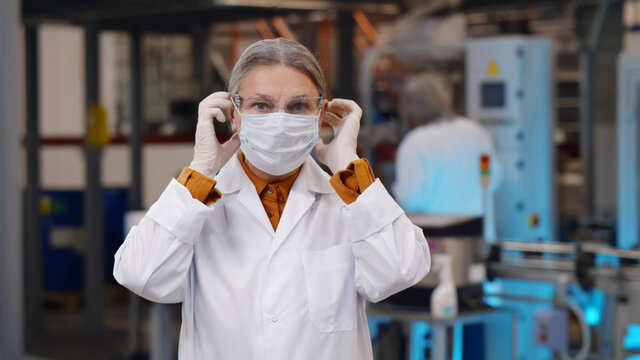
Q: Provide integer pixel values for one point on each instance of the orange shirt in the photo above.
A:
(348, 183)
(273, 196)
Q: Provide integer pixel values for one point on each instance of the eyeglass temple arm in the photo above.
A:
(235, 99)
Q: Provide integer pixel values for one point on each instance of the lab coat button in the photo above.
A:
(274, 319)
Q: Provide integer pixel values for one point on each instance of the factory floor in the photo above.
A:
(64, 336)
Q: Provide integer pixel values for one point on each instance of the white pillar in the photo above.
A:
(11, 111)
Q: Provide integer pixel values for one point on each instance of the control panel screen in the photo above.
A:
(493, 95)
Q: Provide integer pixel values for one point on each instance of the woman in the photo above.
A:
(258, 279)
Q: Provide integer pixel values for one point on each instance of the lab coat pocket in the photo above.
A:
(331, 294)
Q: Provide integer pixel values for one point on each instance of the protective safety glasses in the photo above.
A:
(264, 104)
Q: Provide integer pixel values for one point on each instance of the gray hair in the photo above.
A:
(277, 52)
(425, 98)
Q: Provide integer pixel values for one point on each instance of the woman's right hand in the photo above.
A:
(208, 154)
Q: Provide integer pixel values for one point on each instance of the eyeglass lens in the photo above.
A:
(300, 105)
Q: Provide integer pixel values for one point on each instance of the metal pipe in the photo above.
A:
(500, 270)
(586, 128)
(11, 266)
(160, 343)
(588, 68)
(439, 344)
(135, 139)
(346, 67)
(541, 264)
(607, 250)
(135, 190)
(34, 282)
(558, 248)
(199, 39)
(529, 299)
(564, 248)
(616, 277)
(94, 269)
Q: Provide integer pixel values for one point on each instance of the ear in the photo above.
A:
(234, 117)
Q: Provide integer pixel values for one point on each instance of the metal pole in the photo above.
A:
(135, 191)
(11, 267)
(514, 335)
(161, 346)
(94, 269)
(34, 282)
(588, 68)
(439, 341)
(621, 323)
(346, 67)
(199, 36)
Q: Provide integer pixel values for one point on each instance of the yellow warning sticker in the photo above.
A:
(98, 127)
(492, 69)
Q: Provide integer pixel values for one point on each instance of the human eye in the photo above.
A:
(299, 106)
(261, 106)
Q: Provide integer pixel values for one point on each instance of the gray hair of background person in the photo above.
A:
(279, 51)
(425, 98)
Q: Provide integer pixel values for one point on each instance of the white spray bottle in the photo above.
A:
(444, 299)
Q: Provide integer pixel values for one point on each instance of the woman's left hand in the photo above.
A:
(344, 117)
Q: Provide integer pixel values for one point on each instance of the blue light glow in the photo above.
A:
(419, 342)
(592, 315)
(632, 340)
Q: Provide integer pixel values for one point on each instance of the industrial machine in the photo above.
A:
(507, 85)
(588, 266)
(508, 90)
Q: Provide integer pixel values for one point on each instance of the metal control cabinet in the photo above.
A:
(509, 92)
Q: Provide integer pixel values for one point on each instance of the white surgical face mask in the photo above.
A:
(278, 142)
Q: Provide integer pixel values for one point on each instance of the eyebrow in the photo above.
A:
(262, 96)
(297, 97)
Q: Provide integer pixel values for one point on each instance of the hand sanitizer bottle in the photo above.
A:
(444, 299)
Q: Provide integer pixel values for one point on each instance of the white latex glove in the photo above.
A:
(208, 154)
(344, 117)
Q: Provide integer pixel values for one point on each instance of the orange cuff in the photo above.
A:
(201, 187)
(352, 181)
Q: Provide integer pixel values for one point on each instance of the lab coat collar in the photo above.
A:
(312, 178)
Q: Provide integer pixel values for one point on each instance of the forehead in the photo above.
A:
(277, 81)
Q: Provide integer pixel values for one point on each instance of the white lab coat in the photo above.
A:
(438, 168)
(250, 293)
